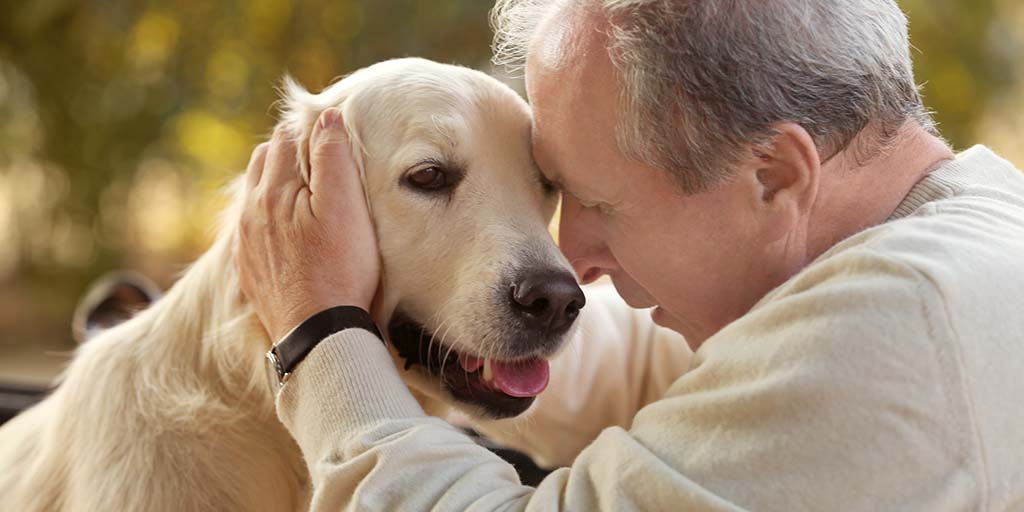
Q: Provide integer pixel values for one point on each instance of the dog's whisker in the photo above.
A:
(489, 343)
(430, 349)
(440, 314)
(444, 343)
(441, 310)
(450, 348)
(433, 335)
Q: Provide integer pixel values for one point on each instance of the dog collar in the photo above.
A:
(285, 355)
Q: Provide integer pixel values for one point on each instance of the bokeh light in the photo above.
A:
(121, 122)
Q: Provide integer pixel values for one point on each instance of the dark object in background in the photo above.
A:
(110, 300)
(529, 472)
(15, 398)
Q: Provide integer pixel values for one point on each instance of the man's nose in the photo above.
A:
(578, 238)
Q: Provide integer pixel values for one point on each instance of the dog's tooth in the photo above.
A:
(488, 376)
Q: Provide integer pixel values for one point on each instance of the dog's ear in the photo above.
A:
(300, 110)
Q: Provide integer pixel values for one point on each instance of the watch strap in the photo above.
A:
(286, 354)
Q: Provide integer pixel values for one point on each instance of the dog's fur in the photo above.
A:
(172, 410)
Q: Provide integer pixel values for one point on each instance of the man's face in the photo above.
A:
(701, 258)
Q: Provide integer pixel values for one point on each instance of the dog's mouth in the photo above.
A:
(501, 388)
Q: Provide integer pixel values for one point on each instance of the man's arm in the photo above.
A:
(843, 392)
(370, 447)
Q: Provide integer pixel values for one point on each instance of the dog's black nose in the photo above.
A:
(548, 301)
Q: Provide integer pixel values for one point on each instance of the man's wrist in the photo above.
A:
(285, 355)
(289, 318)
(348, 383)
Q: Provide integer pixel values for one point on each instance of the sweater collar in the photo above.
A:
(950, 178)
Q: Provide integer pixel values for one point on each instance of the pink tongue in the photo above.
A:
(521, 378)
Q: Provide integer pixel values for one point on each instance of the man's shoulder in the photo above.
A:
(904, 336)
(936, 293)
(866, 305)
(961, 250)
(859, 291)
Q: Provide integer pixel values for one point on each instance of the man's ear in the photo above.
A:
(782, 178)
(787, 167)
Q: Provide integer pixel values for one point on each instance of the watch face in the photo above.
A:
(273, 376)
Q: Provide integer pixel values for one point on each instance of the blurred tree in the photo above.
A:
(965, 56)
(120, 120)
(124, 119)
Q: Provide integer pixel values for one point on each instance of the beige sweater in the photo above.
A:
(888, 375)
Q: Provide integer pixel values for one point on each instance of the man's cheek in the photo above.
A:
(631, 291)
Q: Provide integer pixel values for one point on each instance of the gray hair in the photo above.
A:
(703, 80)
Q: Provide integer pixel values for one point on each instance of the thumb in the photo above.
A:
(334, 174)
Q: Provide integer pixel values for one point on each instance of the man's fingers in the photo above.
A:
(302, 203)
(333, 170)
(254, 171)
(281, 165)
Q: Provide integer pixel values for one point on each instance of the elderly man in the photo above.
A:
(764, 173)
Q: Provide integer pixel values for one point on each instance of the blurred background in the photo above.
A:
(120, 121)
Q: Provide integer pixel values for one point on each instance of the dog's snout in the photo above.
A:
(548, 301)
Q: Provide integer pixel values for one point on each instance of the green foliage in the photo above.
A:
(120, 121)
(966, 54)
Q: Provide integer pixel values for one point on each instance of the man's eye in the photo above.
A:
(429, 178)
(547, 185)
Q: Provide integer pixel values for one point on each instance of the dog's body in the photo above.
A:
(172, 410)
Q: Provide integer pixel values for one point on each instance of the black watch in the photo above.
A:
(285, 355)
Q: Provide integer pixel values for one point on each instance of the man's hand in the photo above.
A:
(304, 247)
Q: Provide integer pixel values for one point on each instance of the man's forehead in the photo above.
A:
(568, 69)
(570, 84)
(560, 53)
(562, 38)
(553, 39)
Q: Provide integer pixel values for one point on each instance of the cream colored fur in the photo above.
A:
(171, 410)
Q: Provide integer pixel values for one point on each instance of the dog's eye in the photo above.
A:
(429, 178)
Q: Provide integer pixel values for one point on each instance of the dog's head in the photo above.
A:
(475, 296)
